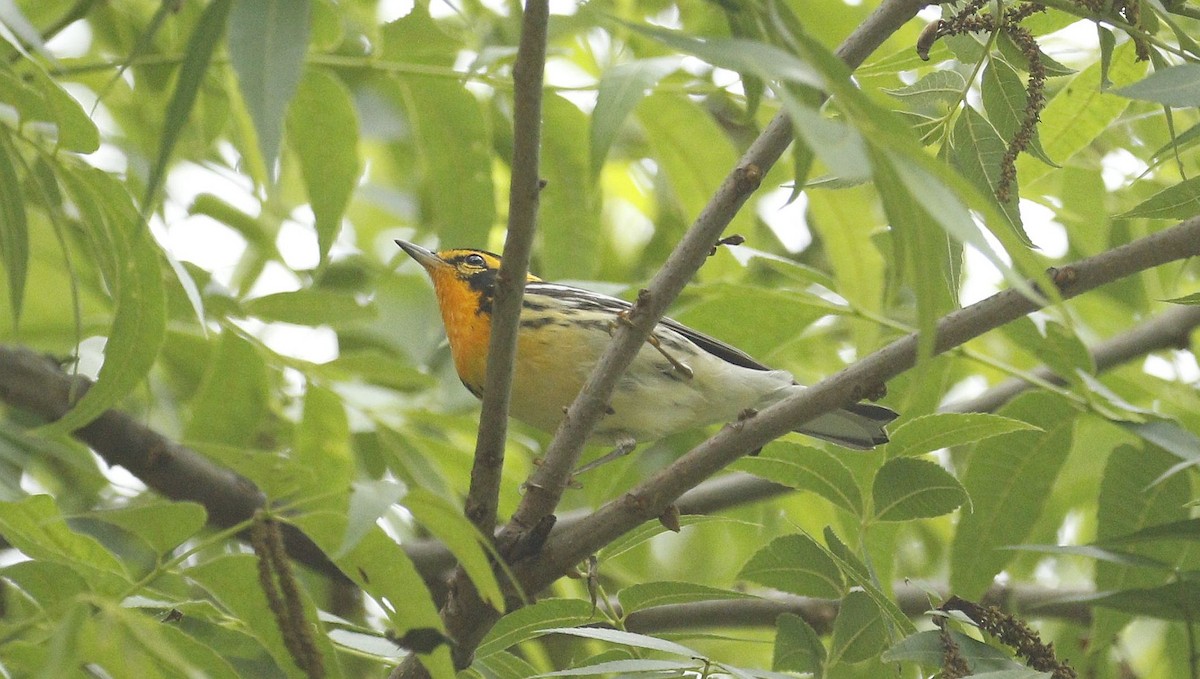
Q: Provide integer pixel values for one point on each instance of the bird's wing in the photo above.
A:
(595, 301)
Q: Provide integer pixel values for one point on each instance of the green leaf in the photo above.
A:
(1192, 299)
(621, 88)
(163, 525)
(908, 488)
(369, 501)
(1178, 201)
(977, 152)
(614, 636)
(858, 631)
(447, 523)
(1097, 553)
(1143, 516)
(1173, 601)
(504, 665)
(569, 215)
(322, 444)
(1005, 99)
(936, 90)
(626, 667)
(926, 648)
(76, 131)
(385, 573)
(234, 395)
(932, 432)
(14, 229)
(197, 57)
(797, 647)
(35, 527)
(526, 623)
(309, 306)
(1187, 530)
(806, 468)
(268, 40)
(1177, 86)
(744, 56)
(323, 129)
(650, 529)
(795, 564)
(233, 581)
(1081, 112)
(641, 595)
(139, 324)
(1009, 480)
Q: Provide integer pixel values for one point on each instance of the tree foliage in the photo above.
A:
(217, 365)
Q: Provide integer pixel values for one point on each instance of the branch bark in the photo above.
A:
(36, 384)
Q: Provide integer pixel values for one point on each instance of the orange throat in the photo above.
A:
(468, 330)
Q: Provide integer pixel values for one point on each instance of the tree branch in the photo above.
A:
(1038, 602)
(653, 496)
(35, 383)
(546, 484)
(1171, 329)
(524, 188)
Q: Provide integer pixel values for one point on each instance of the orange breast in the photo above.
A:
(467, 330)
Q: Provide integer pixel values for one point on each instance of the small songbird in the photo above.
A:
(681, 379)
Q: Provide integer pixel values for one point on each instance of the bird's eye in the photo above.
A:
(475, 260)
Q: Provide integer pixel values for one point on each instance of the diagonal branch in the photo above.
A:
(1170, 329)
(653, 496)
(546, 485)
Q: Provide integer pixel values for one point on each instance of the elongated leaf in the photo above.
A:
(978, 152)
(14, 230)
(322, 445)
(620, 90)
(858, 632)
(928, 433)
(1080, 112)
(267, 43)
(382, 569)
(1172, 601)
(939, 89)
(447, 523)
(569, 218)
(926, 648)
(233, 580)
(163, 525)
(626, 667)
(1192, 299)
(1177, 86)
(797, 647)
(795, 564)
(35, 526)
(649, 594)
(806, 468)
(1128, 504)
(139, 324)
(1005, 100)
(309, 307)
(76, 131)
(323, 128)
(1097, 553)
(615, 636)
(1179, 201)
(1009, 480)
(203, 41)
(531, 621)
(234, 395)
(910, 488)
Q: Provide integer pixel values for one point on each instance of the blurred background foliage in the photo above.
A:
(197, 207)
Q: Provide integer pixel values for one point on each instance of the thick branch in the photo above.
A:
(34, 383)
(1171, 329)
(653, 496)
(1037, 602)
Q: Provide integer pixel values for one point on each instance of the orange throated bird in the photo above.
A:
(681, 379)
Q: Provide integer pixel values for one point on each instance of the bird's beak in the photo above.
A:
(424, 257)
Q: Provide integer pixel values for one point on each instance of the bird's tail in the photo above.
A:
(859, 426)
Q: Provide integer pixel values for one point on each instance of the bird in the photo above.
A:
(681, 379)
